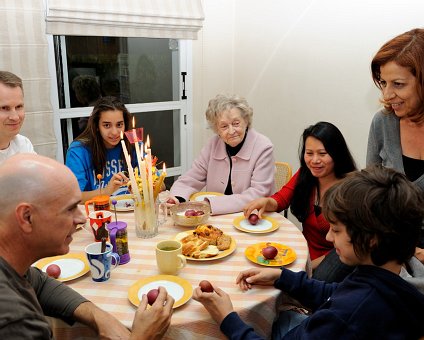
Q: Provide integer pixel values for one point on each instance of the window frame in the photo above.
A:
(184, 105)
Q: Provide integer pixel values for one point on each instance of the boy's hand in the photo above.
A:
(257, 276)
(217, 303)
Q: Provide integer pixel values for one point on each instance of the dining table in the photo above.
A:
(257, 306)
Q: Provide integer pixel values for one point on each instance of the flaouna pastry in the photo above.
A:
(205, 241)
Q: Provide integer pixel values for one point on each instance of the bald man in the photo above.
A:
(12, 115)
(38, 215)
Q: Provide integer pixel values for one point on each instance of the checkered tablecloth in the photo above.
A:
(190, 321)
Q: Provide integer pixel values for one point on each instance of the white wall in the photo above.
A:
(297, 62)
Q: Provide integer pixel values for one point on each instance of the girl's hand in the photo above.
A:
(119, 179)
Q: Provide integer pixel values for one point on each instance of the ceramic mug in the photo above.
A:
(100, 202)
(169, 257)
(101, 263)
(98, 221)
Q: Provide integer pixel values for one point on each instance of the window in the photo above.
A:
(148, 74)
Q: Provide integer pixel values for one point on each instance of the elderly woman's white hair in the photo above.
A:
(222, 103)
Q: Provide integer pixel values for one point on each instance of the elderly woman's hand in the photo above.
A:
(171, 201)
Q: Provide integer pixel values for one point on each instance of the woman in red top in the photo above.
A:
(325, 159)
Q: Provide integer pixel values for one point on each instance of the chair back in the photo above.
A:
(283, 173)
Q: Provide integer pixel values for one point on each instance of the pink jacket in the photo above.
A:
(252, 174)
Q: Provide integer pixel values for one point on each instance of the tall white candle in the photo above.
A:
(124, 147)
(144, 182)
(136, 145)
(130, 170)
(149, 172)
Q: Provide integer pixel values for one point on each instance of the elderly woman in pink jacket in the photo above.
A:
(238, 162)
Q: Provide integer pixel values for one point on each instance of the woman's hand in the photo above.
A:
(257, 276)
(217, 303)
(119, 179)
(261, 204)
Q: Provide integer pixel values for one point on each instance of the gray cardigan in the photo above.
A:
(384, 144)
(416, 278)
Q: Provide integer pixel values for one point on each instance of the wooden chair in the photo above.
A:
(283, 173)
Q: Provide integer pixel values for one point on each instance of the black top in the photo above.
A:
(414, 168)
(232, 151)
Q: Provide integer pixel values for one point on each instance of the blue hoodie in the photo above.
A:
(371, 303)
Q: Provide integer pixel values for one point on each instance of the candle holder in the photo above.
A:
(146, 225)
(143, 180)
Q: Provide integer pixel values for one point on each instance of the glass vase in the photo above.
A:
(145, 217)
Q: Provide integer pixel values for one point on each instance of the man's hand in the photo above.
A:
(152, 323)
(217, 303)
(257, 276)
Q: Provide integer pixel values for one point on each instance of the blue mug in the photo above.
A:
(101, 263)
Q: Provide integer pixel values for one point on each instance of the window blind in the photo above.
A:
(23, 51)
(177, 19)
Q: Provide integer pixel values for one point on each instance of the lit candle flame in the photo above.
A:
(164, 168)
(133, 131)
(122, 135)
(148, 142)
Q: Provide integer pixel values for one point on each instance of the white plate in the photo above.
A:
(173, 289)
(68, 267)
(265, 225)
(179, 288)
(201, 195)
(71, 266)
(123, 203)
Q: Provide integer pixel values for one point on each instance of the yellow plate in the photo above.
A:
(221, 254)
(180, 289)
(265, 225)
(123, 203)
(72, 266)
(199, 196)
(286, 255)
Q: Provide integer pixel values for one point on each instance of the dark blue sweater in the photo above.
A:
(371, 303)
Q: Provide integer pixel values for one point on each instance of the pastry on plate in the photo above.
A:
(204, 242)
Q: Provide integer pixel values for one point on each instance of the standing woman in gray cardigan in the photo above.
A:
(396, 137)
